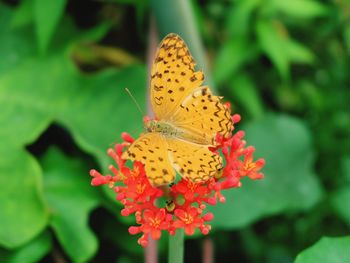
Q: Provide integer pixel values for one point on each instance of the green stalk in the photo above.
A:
(176, 247)
(176, 16)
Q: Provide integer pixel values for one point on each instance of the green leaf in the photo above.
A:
(271, 41)
(301, 8)
(299, 53)
(71, 198)
(280, 48)
(289, 184)
(231, 57)
(107, 109)
(346, 36)
(15, 45)
(244, 90)
(23, 14)
(33, 251)
(346, 167)
(327, 250)
(23, 213)
(30, 96)
(239, 17)
(47, 17)
(339, 201)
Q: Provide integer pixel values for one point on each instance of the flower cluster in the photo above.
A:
(182, 204)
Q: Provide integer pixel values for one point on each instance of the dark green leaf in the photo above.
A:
(340, 203)
(346, 167)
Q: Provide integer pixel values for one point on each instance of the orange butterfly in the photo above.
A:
(188, 118)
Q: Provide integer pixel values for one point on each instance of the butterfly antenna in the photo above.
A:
(135, 101)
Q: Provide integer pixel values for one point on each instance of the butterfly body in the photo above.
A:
(164, 128)
(188, 119)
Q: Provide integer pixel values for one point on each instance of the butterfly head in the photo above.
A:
(151, 125)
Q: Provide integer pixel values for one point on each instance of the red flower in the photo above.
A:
(186, 200)
(190, 219)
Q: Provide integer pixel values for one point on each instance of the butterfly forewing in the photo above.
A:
(173, 76)
(201, 115)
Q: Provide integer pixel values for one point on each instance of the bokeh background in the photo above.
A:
(64, 65)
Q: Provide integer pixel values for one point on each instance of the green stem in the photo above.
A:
(176, 247)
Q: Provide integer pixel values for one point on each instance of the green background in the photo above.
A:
(284, 66)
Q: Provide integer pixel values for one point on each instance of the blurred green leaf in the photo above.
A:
(301, 8)
(32, 251)
(23, 14)
(23, 213)
(299, 53)
(71, 198)
(272, 43)
(240, 16)
(346, 36)
(121, 238)
(244, 90)
(141, 7)
(96, 33)
(346, 167)
(280, 48)
(47, 16)
(15, 45)
(231, 56)
(339, 200)
(327, 250)
(289, 184)
(108, 111)
(27, 111)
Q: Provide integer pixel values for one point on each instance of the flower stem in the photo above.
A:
(176, 247)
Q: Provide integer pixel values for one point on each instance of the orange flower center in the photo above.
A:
(140, 188)
(249, 166)
(155, 222)
(188, 219)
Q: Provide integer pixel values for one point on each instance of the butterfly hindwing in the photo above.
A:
(151, 150)
(193, 161)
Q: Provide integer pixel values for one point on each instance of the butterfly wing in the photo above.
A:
(177, 97)
(151, 150)
(193, 161)
(173, 76)
(201, 116)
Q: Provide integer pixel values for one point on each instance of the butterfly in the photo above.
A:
(188, 118)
